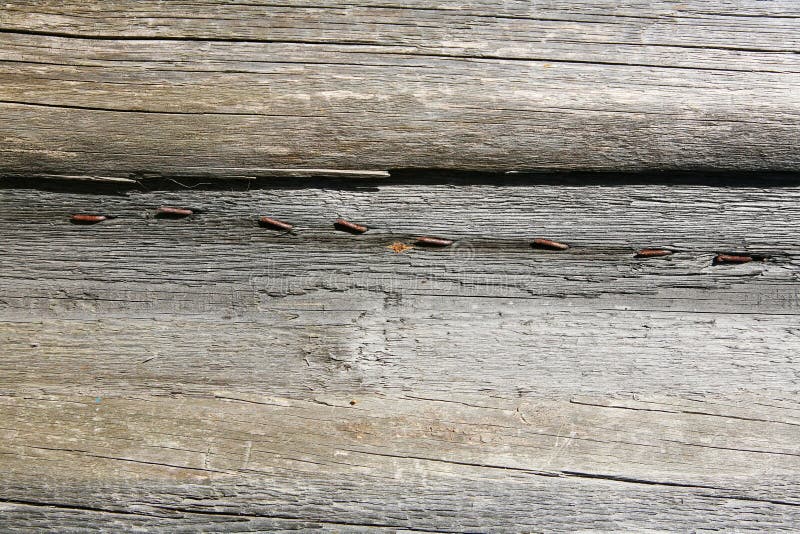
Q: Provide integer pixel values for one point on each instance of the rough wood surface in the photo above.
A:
(207, 374)
(125, 88)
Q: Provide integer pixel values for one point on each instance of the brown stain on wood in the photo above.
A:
(399, 248)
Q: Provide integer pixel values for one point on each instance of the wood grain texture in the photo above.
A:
(207, 374)
(126, 89)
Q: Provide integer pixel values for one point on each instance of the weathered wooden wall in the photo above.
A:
(127, 87)
(213, 374)
(207, 374)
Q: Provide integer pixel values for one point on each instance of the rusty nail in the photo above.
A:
(426, 241)
(732, 258)
(274, 223)
(548, 244)
(653, 253)
(166, 212)
(83, 218)
(347, 226)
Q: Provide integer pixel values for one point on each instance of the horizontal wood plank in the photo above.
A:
(239, 462)
(125, 89)
(215, 375)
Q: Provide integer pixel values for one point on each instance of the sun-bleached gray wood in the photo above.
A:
(126, 89)
(207, 374)
(237, 462)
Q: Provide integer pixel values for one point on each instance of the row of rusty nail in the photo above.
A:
(347, 226)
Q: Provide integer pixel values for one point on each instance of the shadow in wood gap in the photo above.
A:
(148, 183)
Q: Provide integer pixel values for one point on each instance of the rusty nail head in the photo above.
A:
(653, 253)
(348, 226)
(548, 244)
(166, 212)
(426, 241)
(84, 218)
(732, 258)
(274, 223)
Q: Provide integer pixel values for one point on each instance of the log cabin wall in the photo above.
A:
(210, 373)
